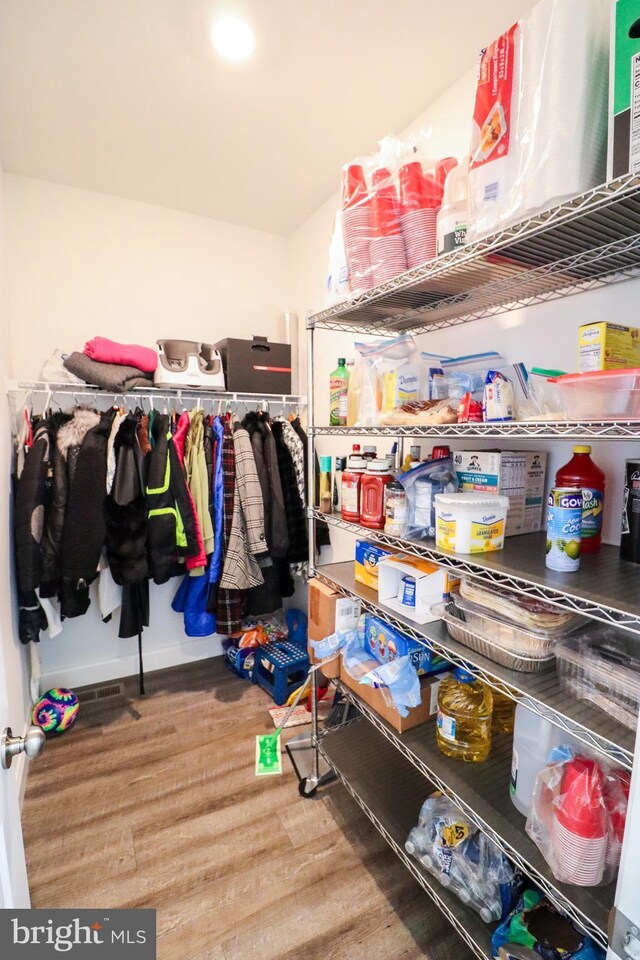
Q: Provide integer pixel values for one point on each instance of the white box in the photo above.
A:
(432, 584)
(517, 474)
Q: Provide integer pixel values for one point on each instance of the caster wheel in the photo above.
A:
(305, 789)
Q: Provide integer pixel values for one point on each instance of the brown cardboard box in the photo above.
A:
(374, 698)
(322, 621)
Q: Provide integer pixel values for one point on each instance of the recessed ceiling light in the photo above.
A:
(233, 38)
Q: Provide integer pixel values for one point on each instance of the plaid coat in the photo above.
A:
(247, 540)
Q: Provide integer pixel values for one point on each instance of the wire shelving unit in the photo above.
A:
(586, 242)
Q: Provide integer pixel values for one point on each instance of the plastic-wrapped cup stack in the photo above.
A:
(580, 824)
(386, 247)
(356, 225)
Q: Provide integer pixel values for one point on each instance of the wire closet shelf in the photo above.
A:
(585, 242)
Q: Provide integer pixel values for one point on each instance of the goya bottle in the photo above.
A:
(582, 472)
(465, 707)
(338, 387)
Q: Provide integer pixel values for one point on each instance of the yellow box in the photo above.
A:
(607, 346)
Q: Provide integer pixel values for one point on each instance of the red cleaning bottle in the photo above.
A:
(582, 472)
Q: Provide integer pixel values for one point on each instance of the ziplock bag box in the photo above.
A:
(432, 585)
(624, 91)
(384, 643)
(256, 365)
(517, 474)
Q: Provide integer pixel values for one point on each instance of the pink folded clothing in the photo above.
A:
(129, 354)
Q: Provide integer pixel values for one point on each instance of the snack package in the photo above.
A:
(497, 401)
(463, 859)
(535, 923)
(578, 816)
(531, 148)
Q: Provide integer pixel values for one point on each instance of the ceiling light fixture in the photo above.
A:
(233, 38)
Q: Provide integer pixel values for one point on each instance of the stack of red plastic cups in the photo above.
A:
(356, 227)
(616, 798)
(420, 200)
(580, 825)
(386, 247)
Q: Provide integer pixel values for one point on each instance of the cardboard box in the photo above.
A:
(517, 474)
(256, 366)
(433, 583)
(374, 698)
(329, 611)
(384, 643)
(367, 558)
(624, 91)
(608, 346)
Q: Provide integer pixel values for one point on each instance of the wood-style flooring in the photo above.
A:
(154, 803)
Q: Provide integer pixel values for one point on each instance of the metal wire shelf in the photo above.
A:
(543, 430)
(539, 692)
(605, 588)
(393, 816)
(18, 389)
(482, 794)
(585, 242)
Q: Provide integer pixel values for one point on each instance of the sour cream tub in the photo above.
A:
(470, 522)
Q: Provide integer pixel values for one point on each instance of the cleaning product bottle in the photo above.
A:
(325, 505)
(453, 217)
(582, 472)
(504, 709)
(338, 386)
(463, 727)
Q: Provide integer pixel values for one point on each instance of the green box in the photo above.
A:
(624, 91)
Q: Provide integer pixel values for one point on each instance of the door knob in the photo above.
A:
(31, 745)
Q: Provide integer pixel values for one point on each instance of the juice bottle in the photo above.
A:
(338, 386)
(504, 709)
(582, 472)
(463, 728)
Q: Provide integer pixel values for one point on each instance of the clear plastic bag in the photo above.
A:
(463, 859)
(421, 486)
(467, 374)
(364, 396)
(577, 817)
(402, 373)
(530, 146)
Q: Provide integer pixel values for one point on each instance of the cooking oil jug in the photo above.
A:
(504, 709)
(465, 706)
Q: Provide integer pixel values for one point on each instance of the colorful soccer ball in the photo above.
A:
(56, 710)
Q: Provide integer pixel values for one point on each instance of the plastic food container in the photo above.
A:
(601, 395)
(470, 522)
(519, 609)
(602, 665)
(502, 642)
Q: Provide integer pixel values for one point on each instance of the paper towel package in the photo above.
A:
(540, 117)
(624, 91)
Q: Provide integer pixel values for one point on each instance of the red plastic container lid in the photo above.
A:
(576, 377)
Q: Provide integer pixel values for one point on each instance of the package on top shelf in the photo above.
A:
(517, 474)
(530, 147)
(624, 91)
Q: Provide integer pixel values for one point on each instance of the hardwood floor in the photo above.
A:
(154, 803)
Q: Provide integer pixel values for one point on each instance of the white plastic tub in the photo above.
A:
(601, 395)
(470, 522)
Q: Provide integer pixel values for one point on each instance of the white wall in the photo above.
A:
(81, 264)
(14, 665)
(544, 335)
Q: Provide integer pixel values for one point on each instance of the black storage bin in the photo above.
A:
(256, 366)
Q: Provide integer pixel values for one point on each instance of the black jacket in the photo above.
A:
(294, 508)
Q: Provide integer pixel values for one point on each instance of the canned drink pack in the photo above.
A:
(564, 529)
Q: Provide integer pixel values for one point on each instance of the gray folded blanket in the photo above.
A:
(109, 376)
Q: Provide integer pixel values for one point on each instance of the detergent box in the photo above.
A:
(624, 92)
(384, 643)
(367, 558)
(429, 584)
(607, 346)
(517, 474)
